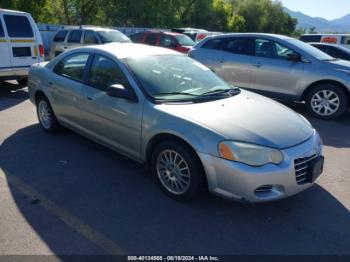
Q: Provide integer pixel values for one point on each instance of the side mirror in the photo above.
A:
(294, 57)
(117, 90)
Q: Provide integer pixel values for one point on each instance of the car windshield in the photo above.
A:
(184, 40)
(313, 51)
(108, 36)
(177, 77)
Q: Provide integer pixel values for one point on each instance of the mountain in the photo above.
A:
(340, 25)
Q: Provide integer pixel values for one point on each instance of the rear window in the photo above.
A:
(60, 36)
(74, 36)
(310, 38)
(2, 34)
(18, 26)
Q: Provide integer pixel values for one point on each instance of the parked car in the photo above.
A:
(193, 130)
(190, 32)
(336, 39)
(67, 39)
(335, 51)
(280, 67)
(20, 45)
(175, 41)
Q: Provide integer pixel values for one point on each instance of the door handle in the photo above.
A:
(257, 65)
(89, 98)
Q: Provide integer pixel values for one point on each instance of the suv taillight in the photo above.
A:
(41, 50)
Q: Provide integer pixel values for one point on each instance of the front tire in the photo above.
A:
(327, 101)
(177, 170)
(46, 116)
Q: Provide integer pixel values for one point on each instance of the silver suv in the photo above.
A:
(67, 39)
(280, 67)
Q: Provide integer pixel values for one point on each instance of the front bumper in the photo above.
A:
(245, 183)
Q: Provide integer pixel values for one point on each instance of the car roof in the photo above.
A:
(12, 11)
(128, 50)
(250, 35)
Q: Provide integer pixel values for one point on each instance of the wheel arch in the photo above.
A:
(158, 138)
(325, 81)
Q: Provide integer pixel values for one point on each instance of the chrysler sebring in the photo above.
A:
(192, 130)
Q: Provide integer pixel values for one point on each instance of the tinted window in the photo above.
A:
(60, 36)
(338, 53)
(2, 34)
(137, 38)
(72, 66)
(310, 38)
(18, 26)
(74, 36)
(104, 73)
(345, 40)
(151, 39)
(270, 49)
(212, 44)
(90, 37)
(235, 45)
(166, 41)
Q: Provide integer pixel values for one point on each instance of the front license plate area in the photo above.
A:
(316, 168)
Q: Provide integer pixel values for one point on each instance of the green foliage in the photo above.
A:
(215, 15)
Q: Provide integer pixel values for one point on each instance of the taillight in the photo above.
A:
(41, 50)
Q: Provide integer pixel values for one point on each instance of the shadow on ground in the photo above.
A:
(12, 94)
(115, 196)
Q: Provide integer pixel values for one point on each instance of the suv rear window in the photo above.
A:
(74, 36)
(2, 34)
(60, 36)
(18, 26)
(310, 38)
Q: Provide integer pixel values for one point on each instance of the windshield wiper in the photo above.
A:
(229, 91)
(176, 93)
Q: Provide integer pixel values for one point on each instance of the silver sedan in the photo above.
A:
(190, 128)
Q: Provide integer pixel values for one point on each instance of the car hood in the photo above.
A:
(247, 117)
(340, 64)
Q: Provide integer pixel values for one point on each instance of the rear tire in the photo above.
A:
(177, 170)
(327, 101)
(46, 116)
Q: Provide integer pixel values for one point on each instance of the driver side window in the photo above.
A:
(271, 49)
(104, 72)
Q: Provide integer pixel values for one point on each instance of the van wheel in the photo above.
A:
(327, 101)
(46, 116)
(23, 81)
(177, 170)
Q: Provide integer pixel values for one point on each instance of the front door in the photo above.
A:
(115, 121)
(4, 48)
(272, 72)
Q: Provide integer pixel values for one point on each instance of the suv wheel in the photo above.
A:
(46, 116)
(177, 170)
(327, 101)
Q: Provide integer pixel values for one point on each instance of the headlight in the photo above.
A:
(249, 154)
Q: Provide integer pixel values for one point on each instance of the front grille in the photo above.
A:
(302, 169)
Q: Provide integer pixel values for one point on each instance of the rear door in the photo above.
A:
(74, 39)
(4, 47)
(23, 46)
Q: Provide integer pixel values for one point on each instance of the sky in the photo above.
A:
(329, 9)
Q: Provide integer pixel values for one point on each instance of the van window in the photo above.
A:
(60, 36)
(2, 34)
(72, 66)
(74, 36)
(18, 26)
(310, 38)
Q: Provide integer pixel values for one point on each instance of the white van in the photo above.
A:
(336, 39)
(20, 45)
